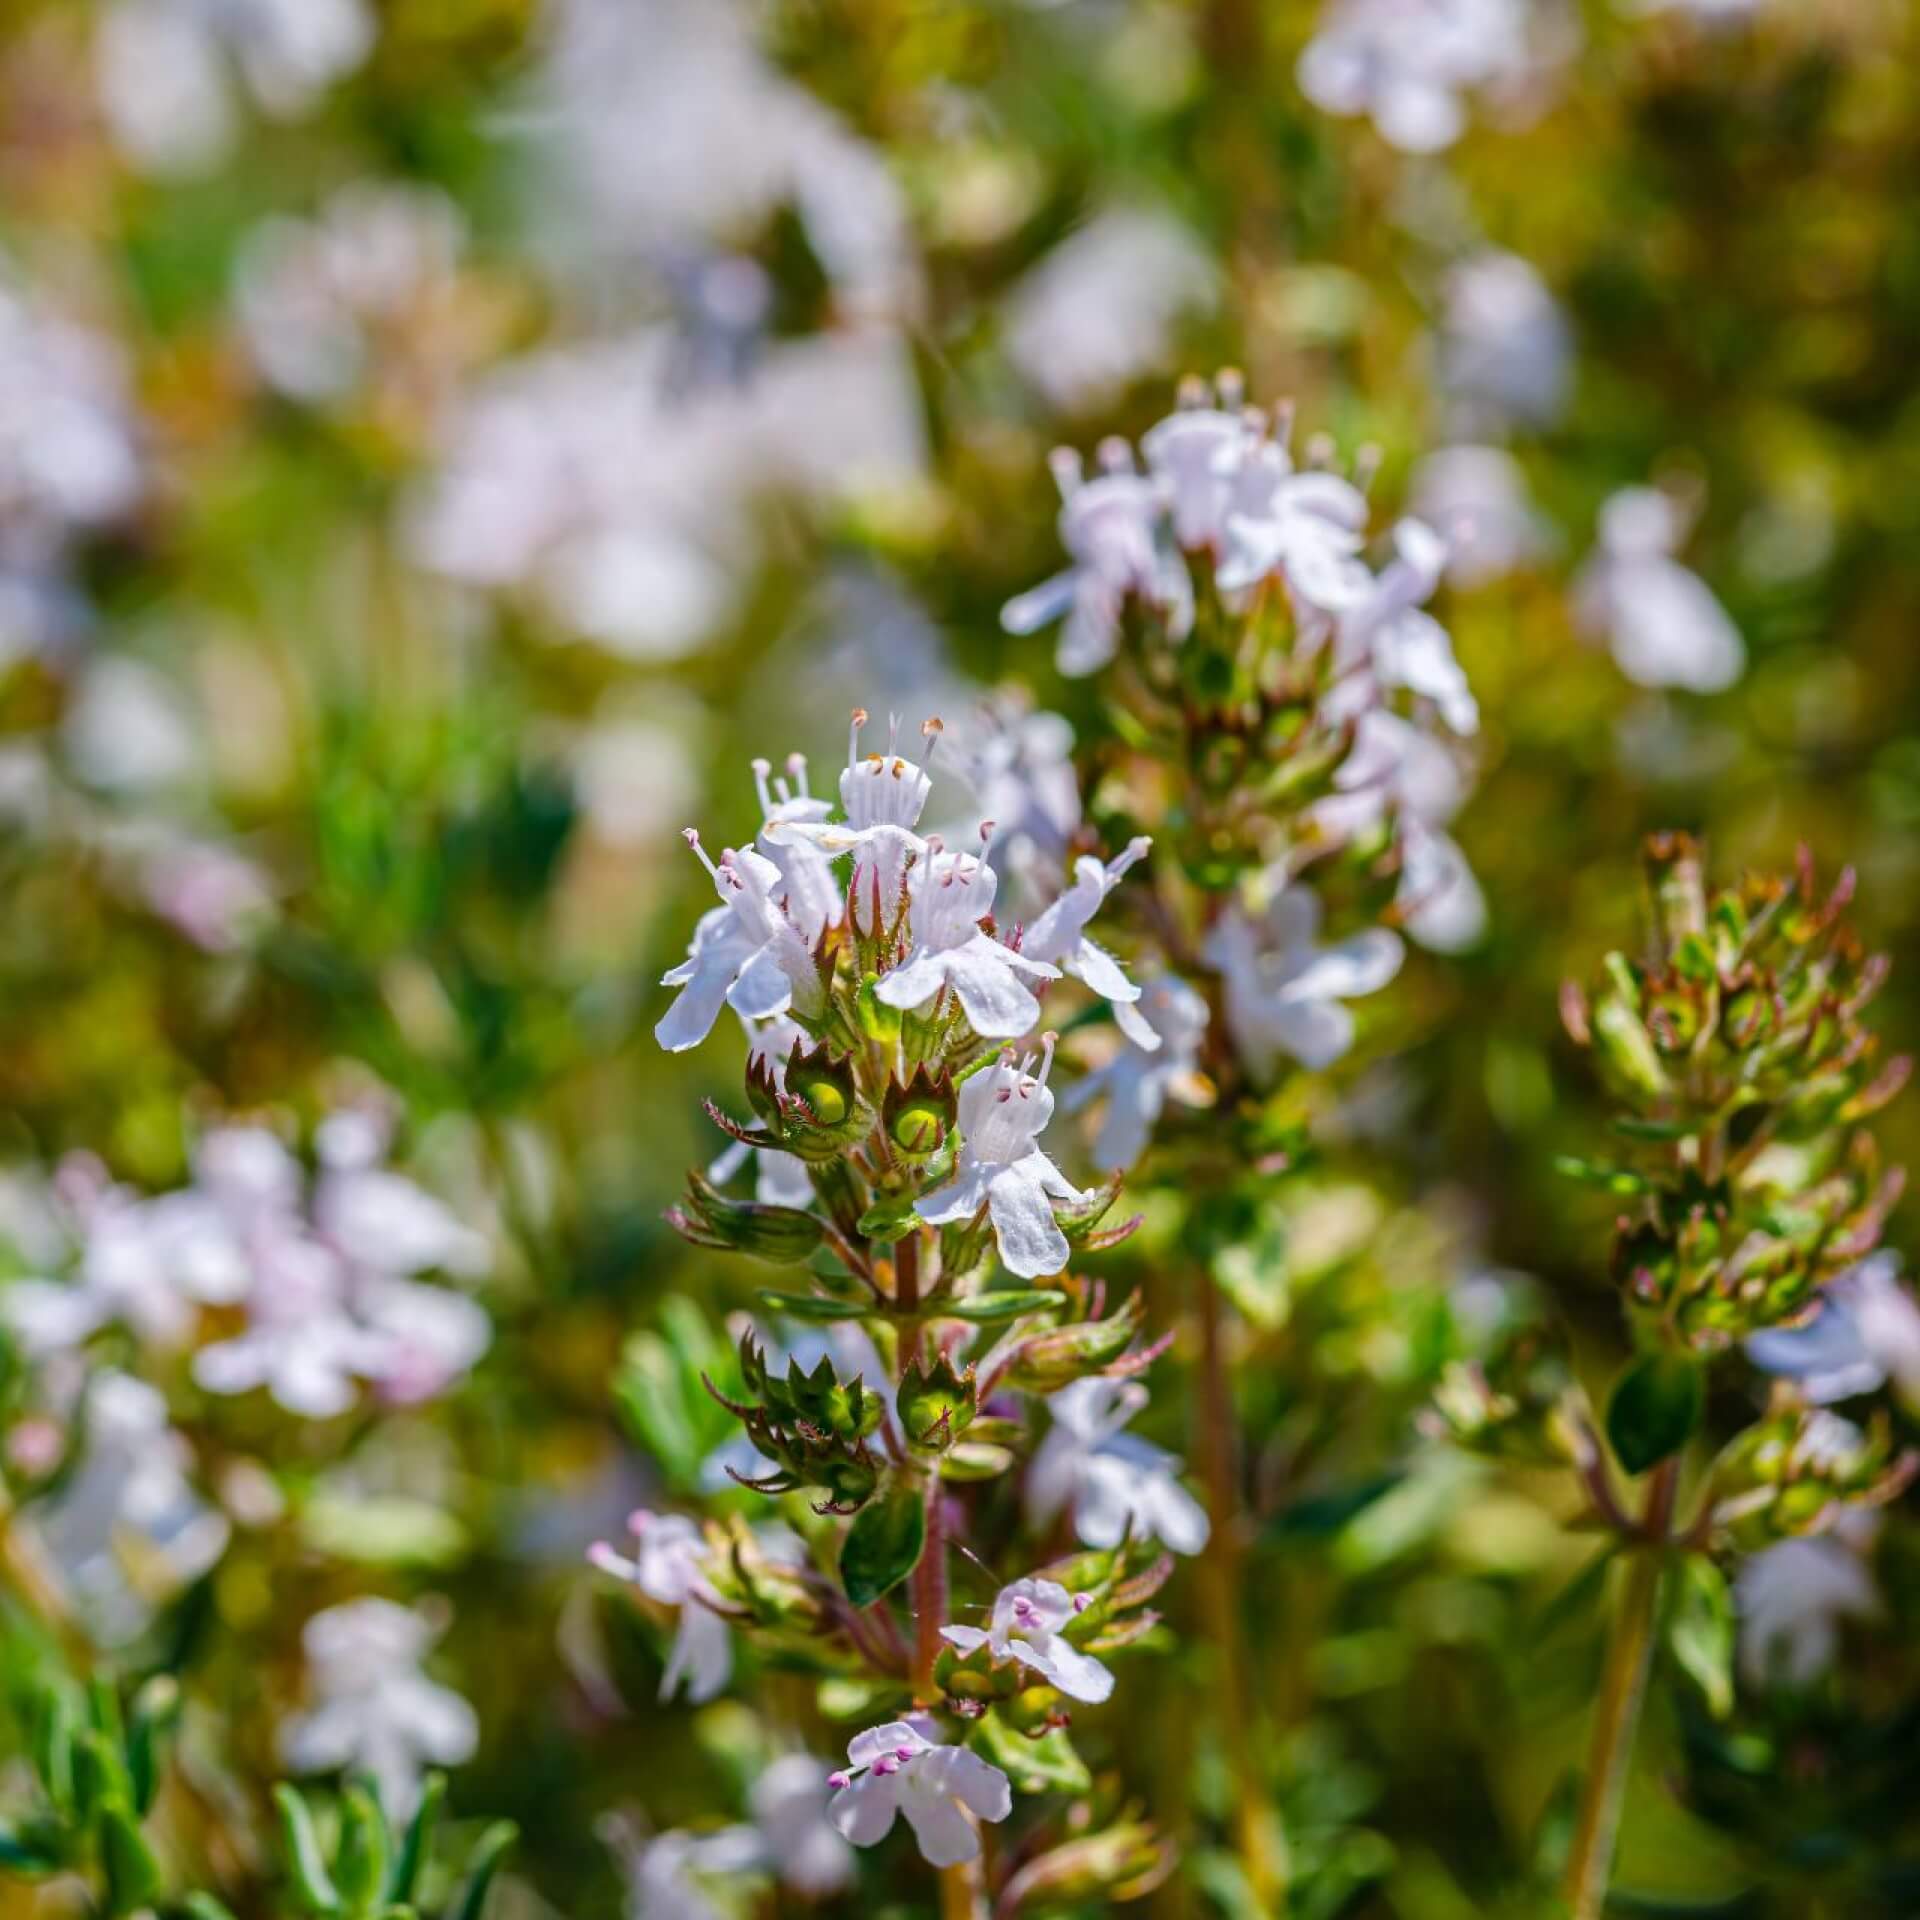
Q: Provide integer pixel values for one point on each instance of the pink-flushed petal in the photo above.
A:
(864, 1812)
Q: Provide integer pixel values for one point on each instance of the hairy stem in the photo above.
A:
(1256, 1821)
(1616, 1716)
(930, 1596)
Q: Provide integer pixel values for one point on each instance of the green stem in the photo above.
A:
(1616, 1717)
(1256, 1821)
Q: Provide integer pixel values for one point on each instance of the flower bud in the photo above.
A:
(936, 1403)
(784, 1236)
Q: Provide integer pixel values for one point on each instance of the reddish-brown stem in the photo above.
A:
(930, 1596)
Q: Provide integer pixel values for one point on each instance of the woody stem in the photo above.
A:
(1616, 1715)
(929, 1596)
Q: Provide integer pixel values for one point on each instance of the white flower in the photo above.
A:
(1396, 767)
(791, 1804)
(1792, 1597)
(1135, 1082)
(1865, 1333)
(1196, 454)
(1408, 63)
(1110, 527)
(882, 796)
(1114, 1483)
(1283, 992)
(1664, 625)
(1003, 1110)
(669, 1553)
(746, 953)
(1026, 1626)
(951, 894)
(373, 1707)
(943, 1792)
(1476, 498)
(161, 67)
(317, 300)
(1506, 353)
(1059, 936)
(665, 1874)
(1386, 632)
(128, 1527)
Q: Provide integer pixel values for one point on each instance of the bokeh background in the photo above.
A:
(441, 441)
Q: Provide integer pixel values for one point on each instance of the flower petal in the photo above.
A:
(1030, 1241)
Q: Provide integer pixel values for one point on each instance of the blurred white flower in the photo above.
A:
(163, 69)
(129, 729)
(1114, 1483)
(1283, 991)
(372, 1705)
(1059, 936)
(790, 1803)
(1395, 767)
(666, 1873)
(669, 1552)
(1018, 767)
(673, 130)
(1864, 1334)
(1410, 65)
(944, 1792)
(1135, 1082)
(1102, 308)
(1506, 352)
(1662, 622)
(317, 300)
(1003, 1111)
(1026, 1626)
(626, 511)
(1110, 527)
(1475, 497)
(128, 1530)
(1399, 646)
(1791, 1599)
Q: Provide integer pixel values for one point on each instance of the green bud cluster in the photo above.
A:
(1798, 1469)
(812, 1426)
(1737, 1047)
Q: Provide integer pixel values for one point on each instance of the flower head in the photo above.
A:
(942, 1791)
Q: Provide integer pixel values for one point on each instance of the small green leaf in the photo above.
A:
(968, 1460)
(985, 1308)
(1594, 1173)
(1654, 1409)
(419, 1837)
(305, 1860)
(1046, 1765)
(810, 1306)
(390, 1530)
(360, 1863)
(155, 1709)
(133, 1874)
(883, 1545)
(482, 1864)
(203, 1906)
(31, 1847)
(1700, 1631)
